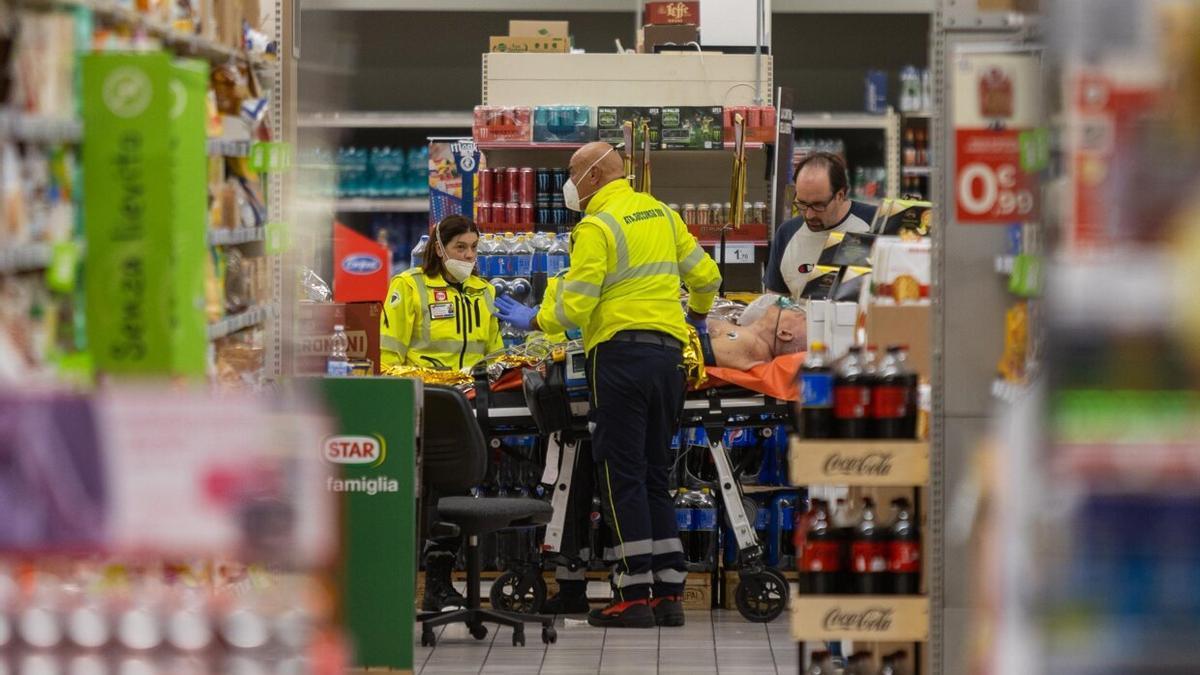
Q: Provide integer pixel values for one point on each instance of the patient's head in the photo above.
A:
(791, 329)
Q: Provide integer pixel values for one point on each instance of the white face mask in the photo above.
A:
(571, 197)
(459, 269)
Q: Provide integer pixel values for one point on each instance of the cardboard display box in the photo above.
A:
(518, 45)
(910, 325)
(538, 29)
(610, 121)
(693, 128)
(671, 13)
(314, 332)
(666, 35)
(362, 328)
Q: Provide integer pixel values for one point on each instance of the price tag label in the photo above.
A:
(735, 253)
(275, 238)
(992, 185)
(271, 157)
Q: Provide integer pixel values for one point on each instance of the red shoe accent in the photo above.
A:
(663, 598)
(620, 607)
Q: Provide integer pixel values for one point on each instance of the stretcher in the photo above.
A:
(503, 411)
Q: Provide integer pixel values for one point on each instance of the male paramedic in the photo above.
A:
(629, 255)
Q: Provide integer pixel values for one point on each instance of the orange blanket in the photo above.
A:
(777, 378)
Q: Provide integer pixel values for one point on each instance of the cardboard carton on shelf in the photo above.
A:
(314, 332)
(538, 29)
(909, 325)
(671, 13)
(651, 36)
(520, 45)
(362, 329)
(362, 266)
(1026, 6)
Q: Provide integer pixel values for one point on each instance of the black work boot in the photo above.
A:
(668, 610)
(570, 599)
(440, 594)
(623, 614)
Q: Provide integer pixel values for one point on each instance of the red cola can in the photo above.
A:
(514, 185)
(483, 212)
(512, 213)
(526, 214)
(528, 191)
(499, 217)
(499, 185)
(484, 193)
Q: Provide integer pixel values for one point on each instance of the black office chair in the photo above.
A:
(454, 459)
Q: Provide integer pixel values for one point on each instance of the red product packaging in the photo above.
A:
(512, 213)
(499, 185)
(672, 13)
(362, 266)
(499, 214)
(513, 180)
(526, 214)
(503, 124)
(483, 213)
(485, 186)
(526, 193)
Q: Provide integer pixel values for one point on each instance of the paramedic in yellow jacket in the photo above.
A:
(629, 256)
(441, 315)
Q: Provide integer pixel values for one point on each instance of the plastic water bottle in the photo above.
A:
(418, 253)
(683, 519)
(338, 364)
(704, 529)
(558, 258)
(486, 254)
(508, 264)
(523, 258)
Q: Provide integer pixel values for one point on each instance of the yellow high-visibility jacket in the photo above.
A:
(431, 323)
(628, 258)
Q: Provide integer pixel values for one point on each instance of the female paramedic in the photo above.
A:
(440, 316)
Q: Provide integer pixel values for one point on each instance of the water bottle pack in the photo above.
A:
(381, 172)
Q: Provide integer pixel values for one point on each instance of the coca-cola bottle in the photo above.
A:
(852, 397)
(869, 554)
(894, 397)
(822, 664)
(844, 520)
(820, 550)
(904, 550)
(815, 410)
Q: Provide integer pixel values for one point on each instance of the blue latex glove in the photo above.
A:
(701, 324)
(513, 312)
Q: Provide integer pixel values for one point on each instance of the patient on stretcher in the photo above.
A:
(769, 327)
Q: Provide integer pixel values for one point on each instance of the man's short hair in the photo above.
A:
(839, 178)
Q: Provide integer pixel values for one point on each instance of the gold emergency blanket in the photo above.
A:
(446, 378)
(693, 359)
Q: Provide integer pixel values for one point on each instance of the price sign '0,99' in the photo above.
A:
(991, 187)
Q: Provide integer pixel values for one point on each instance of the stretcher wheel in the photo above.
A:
(519, 593)
(762, 597)
(478, 630)
(549, 635)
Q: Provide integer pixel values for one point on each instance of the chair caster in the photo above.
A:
(518, 637)
(549, 635)
(478, 631)
(428, 638)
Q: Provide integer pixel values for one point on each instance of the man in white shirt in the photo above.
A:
(822, 199)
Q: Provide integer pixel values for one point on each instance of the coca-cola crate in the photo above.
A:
(884, 462)
(869, 618)
(749, 232)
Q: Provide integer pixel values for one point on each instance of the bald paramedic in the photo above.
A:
(629, 256)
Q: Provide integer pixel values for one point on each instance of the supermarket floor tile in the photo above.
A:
(712, 643)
